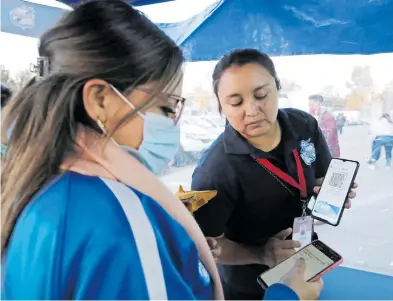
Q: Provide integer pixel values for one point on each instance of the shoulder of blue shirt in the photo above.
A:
(279, 291)
(28, 261)
(83, 236)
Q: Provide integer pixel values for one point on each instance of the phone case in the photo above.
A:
(327, 270)
(350, 187)
(316, 277)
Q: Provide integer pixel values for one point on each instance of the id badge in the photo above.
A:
(303, 228)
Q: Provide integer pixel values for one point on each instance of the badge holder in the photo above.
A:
(303, 228)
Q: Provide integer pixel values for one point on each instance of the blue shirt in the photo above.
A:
(74, 241)
(78, 239)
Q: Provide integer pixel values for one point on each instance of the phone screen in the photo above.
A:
(318, 258)
(334, 190)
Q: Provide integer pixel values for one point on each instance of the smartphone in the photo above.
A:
(330, 201)
(319, 258)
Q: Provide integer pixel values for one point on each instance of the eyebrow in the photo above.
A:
(256, 89)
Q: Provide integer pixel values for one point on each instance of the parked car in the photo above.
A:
(211, 129)
(194, 140)
(214, 121)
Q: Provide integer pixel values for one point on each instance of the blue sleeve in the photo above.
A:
(105, 265)
(279, 291)
(111, 269)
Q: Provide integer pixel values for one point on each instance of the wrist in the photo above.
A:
(259, 255)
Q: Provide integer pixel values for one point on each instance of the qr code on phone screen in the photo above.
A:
(337, 180)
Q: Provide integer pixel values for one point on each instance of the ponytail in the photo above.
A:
(40, 122)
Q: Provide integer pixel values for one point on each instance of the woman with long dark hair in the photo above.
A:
(108, 85)
(83, 215)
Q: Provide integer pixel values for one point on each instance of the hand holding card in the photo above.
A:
(303, 230)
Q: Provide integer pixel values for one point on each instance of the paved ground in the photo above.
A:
(365, 235)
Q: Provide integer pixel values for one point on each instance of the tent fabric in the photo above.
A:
(133, 2)
(27, 18)
(179, 32)
(287, 27)
(32, 19)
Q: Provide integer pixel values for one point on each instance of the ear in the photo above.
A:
(181, 188)
(95, 91)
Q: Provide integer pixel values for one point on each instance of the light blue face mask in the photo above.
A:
(161, 140)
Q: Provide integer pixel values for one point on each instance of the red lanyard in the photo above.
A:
(301, 185)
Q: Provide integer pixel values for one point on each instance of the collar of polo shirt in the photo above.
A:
(236, 144)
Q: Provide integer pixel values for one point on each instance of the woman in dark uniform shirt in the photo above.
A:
(252, 215)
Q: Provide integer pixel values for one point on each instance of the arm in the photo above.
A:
(111, 269)
(92, 265)
(213, 218)
(233, 253)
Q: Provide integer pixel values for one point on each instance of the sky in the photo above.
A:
(312, 72)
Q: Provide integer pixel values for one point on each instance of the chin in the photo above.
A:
(260, 131)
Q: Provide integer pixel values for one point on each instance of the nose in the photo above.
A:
(252, 108)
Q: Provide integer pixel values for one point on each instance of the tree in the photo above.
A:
(15, 81)
(288, 86)
(6, 78)
(361, 86)
(332, 98)
(387, 98)
(21, 78)
(361, 79)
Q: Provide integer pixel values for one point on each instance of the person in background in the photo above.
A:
(341, 120)
(326, 122)
(83, 214)
(382, 131)
(251, 166)
(5, 95)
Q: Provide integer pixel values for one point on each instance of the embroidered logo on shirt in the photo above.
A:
(203, 273)
(307, 151)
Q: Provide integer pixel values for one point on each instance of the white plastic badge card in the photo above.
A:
(303, 230)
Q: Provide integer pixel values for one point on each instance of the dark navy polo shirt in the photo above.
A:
(251, 205)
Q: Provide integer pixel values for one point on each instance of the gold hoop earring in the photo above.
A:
(101, 125)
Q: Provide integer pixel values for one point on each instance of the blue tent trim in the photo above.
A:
(132, 2)
(32, 19)
(286, 27)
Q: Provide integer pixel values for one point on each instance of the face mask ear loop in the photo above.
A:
(126, 100)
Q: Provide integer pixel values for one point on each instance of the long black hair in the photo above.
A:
(108, 40)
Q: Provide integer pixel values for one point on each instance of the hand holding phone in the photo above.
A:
(295, 279)
(319, 259)
(330, 201)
